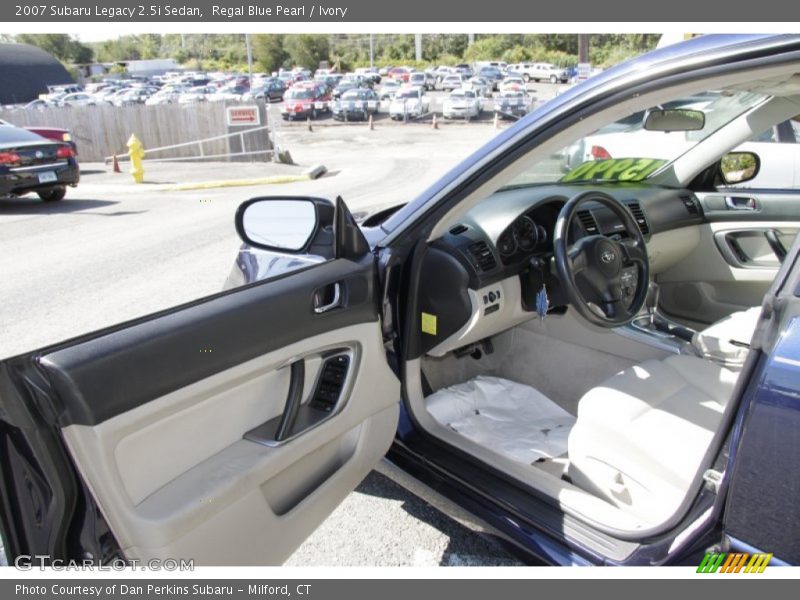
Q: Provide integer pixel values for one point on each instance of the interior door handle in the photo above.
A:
(740, 203)
(333, 291)
(293, 399)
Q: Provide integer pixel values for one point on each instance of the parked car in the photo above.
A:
(491, 74)
(31, 163)
(38, 104)
(512, 83)
(230, 93)
(345, 85)
(511, 103)
(451, 82)
(305, 100)
(408, 103)
(273, 90)
(388, 89)
(357, 103)
(462, 103)
(497, 345)
(480, 85)
(420, 79)
(131, 96)
(56, 134)
(545, 72)
(400, 74)
(195, 94)
(78, 99)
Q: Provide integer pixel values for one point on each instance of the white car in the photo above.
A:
(78, 99)
(389, 88)
(479, 85)
(409, 102)
(165, 96)
(462, 103)
(451, 82)
(198, 93)
(512, 103)
(419, 79)
(512, 83)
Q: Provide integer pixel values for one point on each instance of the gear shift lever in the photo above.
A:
(651, 301)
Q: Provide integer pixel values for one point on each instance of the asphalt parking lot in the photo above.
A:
(113, 251)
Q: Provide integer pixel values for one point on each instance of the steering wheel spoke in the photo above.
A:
(577, 258)
(633, 252)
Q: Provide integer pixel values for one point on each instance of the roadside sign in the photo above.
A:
(242, 115)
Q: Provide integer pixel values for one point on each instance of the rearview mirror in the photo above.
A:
(674, 119)
(280, 224)
(738, 167)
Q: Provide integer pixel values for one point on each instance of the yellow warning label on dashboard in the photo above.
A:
(428, 323)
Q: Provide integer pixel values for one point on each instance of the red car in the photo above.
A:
(400, 73)
(303, 100)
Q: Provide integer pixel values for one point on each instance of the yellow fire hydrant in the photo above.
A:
(136, 153)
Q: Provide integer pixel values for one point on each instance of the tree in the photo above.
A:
(268, 51)
(307, 50)
(62, 46)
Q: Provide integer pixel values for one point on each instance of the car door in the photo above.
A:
(762, 473)
(747, 230)
(223, 431)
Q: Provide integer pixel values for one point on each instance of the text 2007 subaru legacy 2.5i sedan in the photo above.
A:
(601, 366)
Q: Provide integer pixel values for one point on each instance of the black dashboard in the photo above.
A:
(499, 236)
(510, 235)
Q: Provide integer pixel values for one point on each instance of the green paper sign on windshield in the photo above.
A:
(615, 169)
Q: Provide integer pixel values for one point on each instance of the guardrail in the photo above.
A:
(199, 143)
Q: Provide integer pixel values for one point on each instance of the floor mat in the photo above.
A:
(513, 419)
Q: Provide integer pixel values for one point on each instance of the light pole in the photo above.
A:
(249, 59)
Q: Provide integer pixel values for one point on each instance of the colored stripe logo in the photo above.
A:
(734, 562)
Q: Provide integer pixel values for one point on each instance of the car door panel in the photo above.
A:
(155, 415)
(737, 256)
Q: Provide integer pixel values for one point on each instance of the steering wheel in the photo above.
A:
(591, 269)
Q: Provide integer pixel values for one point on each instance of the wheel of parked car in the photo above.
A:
(553, 79)
(526, 78)
(53, 194)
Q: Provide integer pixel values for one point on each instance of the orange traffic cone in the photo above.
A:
(115, 164)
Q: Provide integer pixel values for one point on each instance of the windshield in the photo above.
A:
(299, 94)
(407, 94)
(625, 151)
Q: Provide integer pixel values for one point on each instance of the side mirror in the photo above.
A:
(738, 167)
(301, 225)
(674, 119)
(280, 224)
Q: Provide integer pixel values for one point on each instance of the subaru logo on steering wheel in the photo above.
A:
(608, 256)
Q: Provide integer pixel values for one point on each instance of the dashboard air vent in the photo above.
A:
(482, 256)
(458, 229)
(691, 205)
(588, 222)
(638, 214)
